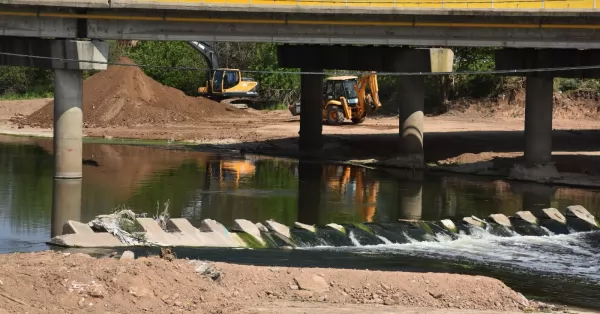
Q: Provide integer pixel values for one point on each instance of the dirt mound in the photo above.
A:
(125, 96)
(50, 282)
(511, 104)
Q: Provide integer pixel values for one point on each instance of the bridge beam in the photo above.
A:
(68, 114)
(527, 58)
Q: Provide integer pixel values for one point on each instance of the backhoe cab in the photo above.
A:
(225, 85)
(346, 97)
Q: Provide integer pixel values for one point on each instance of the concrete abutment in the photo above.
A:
(412, 89)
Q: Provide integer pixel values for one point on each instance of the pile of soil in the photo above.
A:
(511, 104)
(126, 96)
(53, 282)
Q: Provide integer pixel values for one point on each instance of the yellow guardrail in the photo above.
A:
(425, 4)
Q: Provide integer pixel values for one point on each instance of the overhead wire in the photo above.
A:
(402, 2)
(500, 72)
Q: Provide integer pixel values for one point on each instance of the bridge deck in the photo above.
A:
(489, 5)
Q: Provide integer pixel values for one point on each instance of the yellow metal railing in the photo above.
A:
(413, 4)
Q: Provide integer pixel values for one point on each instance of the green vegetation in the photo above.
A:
(279, 89)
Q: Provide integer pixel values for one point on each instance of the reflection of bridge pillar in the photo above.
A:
(311, 117)
(411, 120)
(66, 203)
(535, 196)
(410, 191)
(309, 192)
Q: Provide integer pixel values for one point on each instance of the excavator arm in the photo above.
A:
(367, 104)
(210, 55)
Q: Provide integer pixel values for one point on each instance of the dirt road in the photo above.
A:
(53, 282)
(452, 138)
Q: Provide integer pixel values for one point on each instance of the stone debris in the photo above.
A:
(206, 269)
(310, 282)
(127, 255)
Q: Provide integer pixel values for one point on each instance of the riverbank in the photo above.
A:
(53, 282)
(465, 143)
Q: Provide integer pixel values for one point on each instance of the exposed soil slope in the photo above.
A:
(125, 96)
(511, 104)
(49, 282)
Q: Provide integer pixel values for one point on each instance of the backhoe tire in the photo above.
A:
(359, 120)
(335, 116)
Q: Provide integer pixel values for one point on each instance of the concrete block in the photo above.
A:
(218, 233)
(249, 228)
(96, 240)
(185, 227)
(579, 212)
(500, 219)
(300, 225)
(278, 228)
(94, 51)
(449, 225)
(337, 227)
(441, 59)
(155, 234)
(474, 221)
(526, 216)
(554, 214)
(238, 240)
(76, 227)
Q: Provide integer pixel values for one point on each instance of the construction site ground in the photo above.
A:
(123, 102)
(53, 282)
(449, 139)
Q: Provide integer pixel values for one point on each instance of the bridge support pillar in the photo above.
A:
(311, 118)
(412, 89)
(68, 114)
(538, 130)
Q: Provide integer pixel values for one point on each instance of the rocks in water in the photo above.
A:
(127, 255)
(310, 282)
(300, 225)
(500, 219)
(474, 221)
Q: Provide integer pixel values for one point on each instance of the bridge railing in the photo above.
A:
(433, 4)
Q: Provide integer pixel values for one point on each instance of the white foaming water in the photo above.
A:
(556, 254)
(385, 240)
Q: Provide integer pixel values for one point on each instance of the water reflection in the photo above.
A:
(225, 187)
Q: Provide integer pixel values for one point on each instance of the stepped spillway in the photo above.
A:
(128, 229)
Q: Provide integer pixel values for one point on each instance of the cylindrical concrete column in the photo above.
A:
(66, 203)
(68, 123)
(309, 192)
(412, 100)
(538, 120)
(311, 117)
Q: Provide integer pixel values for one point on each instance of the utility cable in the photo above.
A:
(439, 2)
(512, 71)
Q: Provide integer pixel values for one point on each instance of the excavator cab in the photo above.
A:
(222, 84)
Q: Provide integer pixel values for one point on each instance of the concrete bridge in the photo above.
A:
(496, 23)
(317, 28)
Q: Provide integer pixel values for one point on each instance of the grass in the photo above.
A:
(27, 95)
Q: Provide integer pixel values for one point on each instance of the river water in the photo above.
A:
(226, 186)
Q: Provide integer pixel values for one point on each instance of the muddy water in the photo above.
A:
(225, 186)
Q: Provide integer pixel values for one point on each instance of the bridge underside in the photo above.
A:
(534, 29)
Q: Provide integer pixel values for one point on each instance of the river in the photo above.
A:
(225, 186)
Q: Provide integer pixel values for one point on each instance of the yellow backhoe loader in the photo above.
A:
(346, 97)
(225, 85)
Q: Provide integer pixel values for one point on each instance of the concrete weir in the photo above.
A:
(179, 232)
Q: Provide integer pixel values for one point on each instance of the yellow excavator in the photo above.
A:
(224, 85)
(346, 97)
